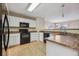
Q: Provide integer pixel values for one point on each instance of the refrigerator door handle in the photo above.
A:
(5, 39)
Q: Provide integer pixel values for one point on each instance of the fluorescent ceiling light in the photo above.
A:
(32, 6)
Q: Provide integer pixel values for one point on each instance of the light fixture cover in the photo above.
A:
(32, 6)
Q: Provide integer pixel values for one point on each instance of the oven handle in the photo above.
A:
(5, 40)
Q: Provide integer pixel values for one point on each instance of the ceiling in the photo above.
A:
(49, 11)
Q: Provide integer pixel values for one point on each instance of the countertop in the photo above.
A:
(64, 44)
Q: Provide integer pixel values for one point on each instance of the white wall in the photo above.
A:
(47, 24)
(53, 49)
(40, 23)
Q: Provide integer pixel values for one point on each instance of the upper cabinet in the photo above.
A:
(14, 21)
(72, 24)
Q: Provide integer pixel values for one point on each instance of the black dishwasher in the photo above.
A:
(24, 33)
(45, 35)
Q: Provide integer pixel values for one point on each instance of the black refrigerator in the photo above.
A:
(0, 29)
(4, 28)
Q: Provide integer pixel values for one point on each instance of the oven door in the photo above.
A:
(25, 37)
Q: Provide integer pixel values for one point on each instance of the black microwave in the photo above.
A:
(24, 25)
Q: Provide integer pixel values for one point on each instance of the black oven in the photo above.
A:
(45, 36)
(24, 34)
